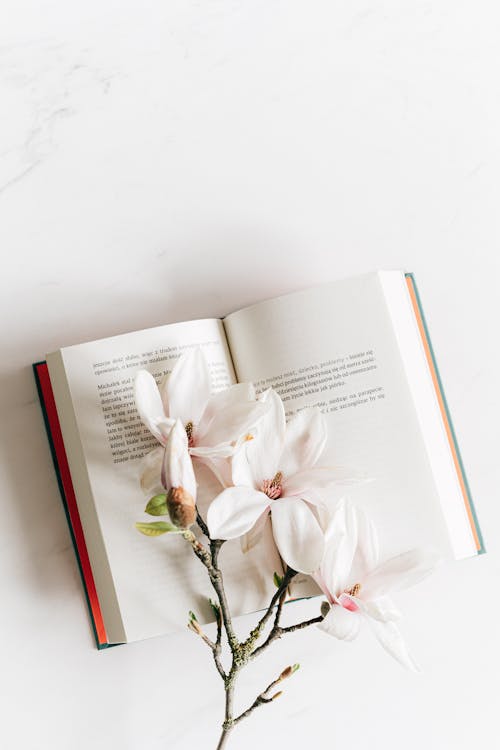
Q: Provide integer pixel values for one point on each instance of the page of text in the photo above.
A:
(334, 347)
(157, 581)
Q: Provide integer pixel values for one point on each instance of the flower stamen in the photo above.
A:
(273, 487)
(354, 591)
(189, 432)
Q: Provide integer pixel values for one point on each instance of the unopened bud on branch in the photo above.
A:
(193, 625)
(181, 507)
(325, 608)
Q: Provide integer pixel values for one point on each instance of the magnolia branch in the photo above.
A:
(244, 651)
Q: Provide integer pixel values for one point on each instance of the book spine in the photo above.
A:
(61, 467)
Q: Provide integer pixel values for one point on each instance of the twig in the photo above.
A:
(201, 523)
(215, 575)
(278, 598)
(278, 631)
(228, 722)
(263, 697)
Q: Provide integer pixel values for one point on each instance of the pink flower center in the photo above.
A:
(345, 600)
(273, 487)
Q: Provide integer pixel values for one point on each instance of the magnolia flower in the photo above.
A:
(276, 474)
(357, 586)
(213, 423)
(177, 477)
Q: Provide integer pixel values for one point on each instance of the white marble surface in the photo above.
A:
(165, 160)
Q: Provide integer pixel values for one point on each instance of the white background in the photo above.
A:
(166, 160)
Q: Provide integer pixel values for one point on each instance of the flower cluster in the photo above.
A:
(269, 472)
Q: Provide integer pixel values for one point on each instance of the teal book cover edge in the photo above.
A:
(481, 549)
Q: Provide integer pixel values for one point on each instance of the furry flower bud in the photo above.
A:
(181, 507)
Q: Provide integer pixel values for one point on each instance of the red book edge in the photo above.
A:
(69, 500)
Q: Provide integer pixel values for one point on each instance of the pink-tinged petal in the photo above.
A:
(388, 635)
(399, 572)
(253, 537)
(259, 457)
(150, 406)
(235, 511)
(187, 389)
(150, 471)
(348, 602)
(341, 623)
(305, 440)
(339, 548)
(318, 577)
(367, 553)
(177, 469)
(297, 534)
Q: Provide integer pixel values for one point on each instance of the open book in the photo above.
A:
(357, 348)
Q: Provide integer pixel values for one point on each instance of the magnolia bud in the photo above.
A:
(193, 625)
(325, 608)
(181, 507)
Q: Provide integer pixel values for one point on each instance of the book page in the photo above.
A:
(334, 347)
(153, 582)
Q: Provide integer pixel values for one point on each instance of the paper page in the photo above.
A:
(334, 347)
(155, 581)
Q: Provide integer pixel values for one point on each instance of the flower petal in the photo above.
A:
(382, 609)
(297, 534)
(253, 537)
(341, 623)
(231, 424)
(177, 469)
(150, 406)
(224, 450)
(397, 573)
(305, 440)
(187, 389)
(235, 511)
(367, 553)
(150, 471)
(388, 635)
(239, 393)
(317, 478)
(339, 548)
(259, 457)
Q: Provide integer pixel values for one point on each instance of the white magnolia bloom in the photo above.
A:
(214, 423)
(276, 474)
(357, 585)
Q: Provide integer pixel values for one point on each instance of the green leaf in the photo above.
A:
(156, 528)
(192, 616)
(278, 580)
(157, 506)
(295, 668)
